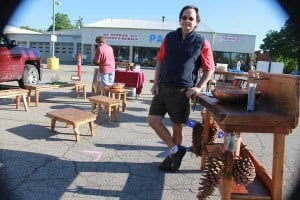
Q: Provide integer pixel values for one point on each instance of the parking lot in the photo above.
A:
(119, 162)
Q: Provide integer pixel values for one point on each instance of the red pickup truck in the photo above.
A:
(19, 63)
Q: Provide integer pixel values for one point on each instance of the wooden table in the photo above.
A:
(131, 79)
(110, 105)
(74, 117)
(18, 93)
(120, 94)
(42, 87)
(276, 112)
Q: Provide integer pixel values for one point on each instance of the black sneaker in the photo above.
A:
(166, 164)
(177, 158)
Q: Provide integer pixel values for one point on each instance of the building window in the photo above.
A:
(145, 56)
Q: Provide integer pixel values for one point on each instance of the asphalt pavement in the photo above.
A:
(119, 162)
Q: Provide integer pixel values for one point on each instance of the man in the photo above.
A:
(181, 54)
(105, 59)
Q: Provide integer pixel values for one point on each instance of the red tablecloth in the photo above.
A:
(131, 79)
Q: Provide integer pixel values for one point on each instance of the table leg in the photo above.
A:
(77, 90)
(278, 161)
(205, 138)
(116, 110)
(238, 144)
(84, 91)
(108, 114)
(18, 100)
(53, 122)
(226, 189)
(25, 102)
(37, 97)
(124, 102)
(94, 106)
(91, 124)
(77, 133)
(29, 96)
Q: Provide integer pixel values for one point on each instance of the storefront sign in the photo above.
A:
(229, 38)
(155, 38)
(121, 36)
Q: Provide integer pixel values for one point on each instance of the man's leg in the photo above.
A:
(155, 121)
(177, 133)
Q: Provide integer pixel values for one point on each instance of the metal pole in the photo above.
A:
(53, 29)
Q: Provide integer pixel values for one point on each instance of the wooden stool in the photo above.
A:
(42, 87)
(117, 93)
(74, 117)
(77, 88)
(18, 93)
(109, 104)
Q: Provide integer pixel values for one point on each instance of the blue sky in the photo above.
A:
(254, 17)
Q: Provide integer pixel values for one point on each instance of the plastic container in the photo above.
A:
(191, 123)
(53, 63)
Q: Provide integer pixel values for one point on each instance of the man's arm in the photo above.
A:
(154, 89)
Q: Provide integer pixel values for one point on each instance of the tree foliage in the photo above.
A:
(284, 45)
(62, 22)
(32, 29)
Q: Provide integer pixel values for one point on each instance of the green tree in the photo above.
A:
(62, 22)
(32, 29)
(284, 45)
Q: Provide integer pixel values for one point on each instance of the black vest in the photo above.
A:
(179, 68)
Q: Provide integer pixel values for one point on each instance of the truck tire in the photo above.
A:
(30, 76)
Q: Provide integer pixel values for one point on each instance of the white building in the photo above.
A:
(132, 40)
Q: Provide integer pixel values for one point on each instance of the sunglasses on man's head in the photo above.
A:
(187, 18)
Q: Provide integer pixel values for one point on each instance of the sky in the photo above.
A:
(250, 17)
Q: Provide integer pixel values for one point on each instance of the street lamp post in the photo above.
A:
(53, 37)
(53, 29)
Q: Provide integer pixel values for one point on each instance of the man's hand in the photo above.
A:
(191, 92)
(154, 89)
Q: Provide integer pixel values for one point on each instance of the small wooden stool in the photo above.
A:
(74, 117)
(77, 88)
(116, 93)
(109, 104)
(18, 93)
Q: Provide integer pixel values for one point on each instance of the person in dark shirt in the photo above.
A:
(180, 57)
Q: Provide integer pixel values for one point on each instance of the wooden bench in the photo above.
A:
(42, 87)
(18, 93)
(74, 117)
(110, 105)
(116, 93)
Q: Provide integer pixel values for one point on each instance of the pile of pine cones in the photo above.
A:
(215, 165)
(197, 135)
(243, 171)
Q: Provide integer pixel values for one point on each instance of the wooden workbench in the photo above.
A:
(276, 112)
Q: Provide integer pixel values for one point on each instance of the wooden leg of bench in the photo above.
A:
(94, 106)
(29, 96)
(124, 102)
(18, 100)
(116, 110)
(99, 109)
(77, 133)
(25, 102)
(108, 113)
(91, 124)
(76, 91)
(84, 91)
(53, 122)
(37, 97)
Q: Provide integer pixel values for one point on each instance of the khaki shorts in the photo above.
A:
(172, 101)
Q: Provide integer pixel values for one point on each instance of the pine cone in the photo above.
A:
(197, 138)
(213, 131)
(215, 165)
(244, 171)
